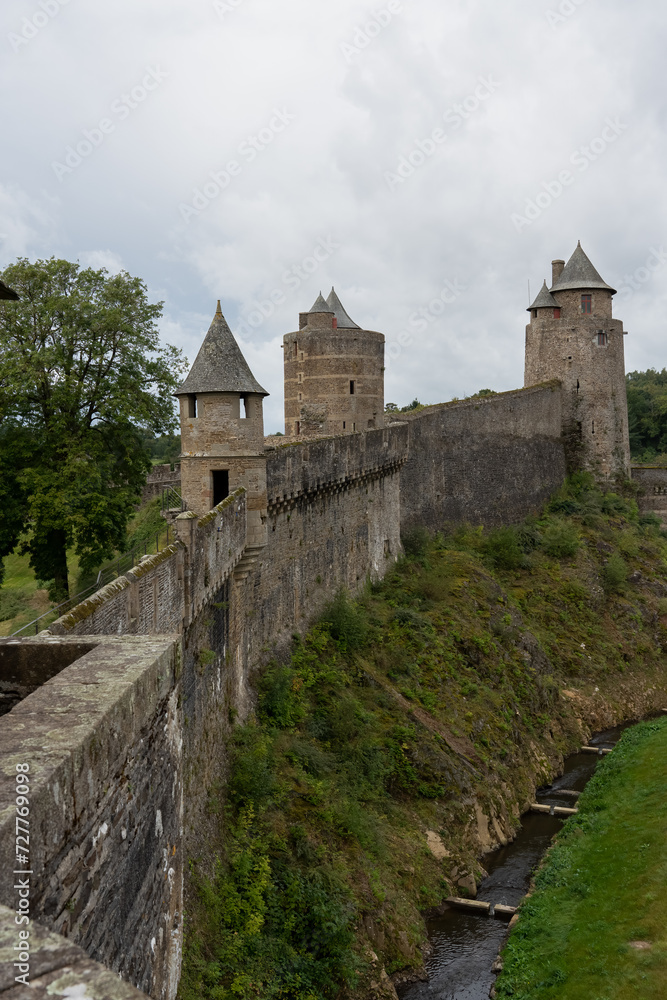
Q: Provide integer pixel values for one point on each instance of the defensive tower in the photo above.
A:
(334, 373)
(222, 429)
(572, 336)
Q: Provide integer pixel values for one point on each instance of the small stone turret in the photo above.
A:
(334, 373)
(222, 429)
(572, 337)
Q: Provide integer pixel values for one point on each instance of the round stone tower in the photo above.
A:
(334, 373)
(222, 429)
(572, 336)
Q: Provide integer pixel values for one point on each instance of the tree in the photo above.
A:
(82, 374)
(647, 413)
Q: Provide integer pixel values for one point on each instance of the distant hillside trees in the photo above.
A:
(647, 414)
(83, 378)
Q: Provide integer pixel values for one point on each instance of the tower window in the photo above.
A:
(603, 340)
(297, 426)
(220, 485)
(557, 313)
(192, 407)
(351, 387)
(534, 313)
(593, 427)
(244, 407)
(300, 396)
(586, 304)
(299, 377)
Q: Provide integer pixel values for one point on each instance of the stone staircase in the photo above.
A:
(247, 561)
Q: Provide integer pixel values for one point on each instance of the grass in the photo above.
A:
(400, 713)
(602, 888)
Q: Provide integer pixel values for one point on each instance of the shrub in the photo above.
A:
(416, 541)
(502, 549)
(346, 623)
(615, 573)
(560, 539)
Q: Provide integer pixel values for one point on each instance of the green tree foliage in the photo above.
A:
(647, 413)
(82, 375)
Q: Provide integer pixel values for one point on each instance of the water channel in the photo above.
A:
(465, 946)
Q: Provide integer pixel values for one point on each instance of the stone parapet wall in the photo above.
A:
(489, 460)
(164, 591)
(102, 744)
(58, 968)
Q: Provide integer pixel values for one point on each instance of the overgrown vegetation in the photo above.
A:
(647, 415)
(595, 926)
(403, 712)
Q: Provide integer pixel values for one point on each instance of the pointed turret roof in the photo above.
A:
(580, 273)
(320, 305)
(220, 366)
(343, 321)
(544, 300)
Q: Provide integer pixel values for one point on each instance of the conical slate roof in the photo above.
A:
(580, 273)
(220, 366)
(7, 293)
(343, 320)
(544, 300)
(320, 305)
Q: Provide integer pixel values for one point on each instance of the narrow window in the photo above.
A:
(602, 338)
(593, 427)
(297, 426)
(343, 425)
(534, 313)
(220, 485)
(557, 313)
(577, 385)
(192, 407)
(354, 427)
(300, 396)
(244, 408)
(299, 377)
(351, 387)
(586, 304)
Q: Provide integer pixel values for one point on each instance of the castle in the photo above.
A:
(119, 705)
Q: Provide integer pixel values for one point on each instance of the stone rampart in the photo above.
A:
(102, 744)
(333, 521)
(489, 460)
(652, 480)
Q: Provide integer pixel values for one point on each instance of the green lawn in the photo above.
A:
(595, 928)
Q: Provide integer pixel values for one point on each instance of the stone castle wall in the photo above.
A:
(487, 461)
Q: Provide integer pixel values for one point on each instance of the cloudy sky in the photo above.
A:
(428, 158)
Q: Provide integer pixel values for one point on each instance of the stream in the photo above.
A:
(465, 946)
